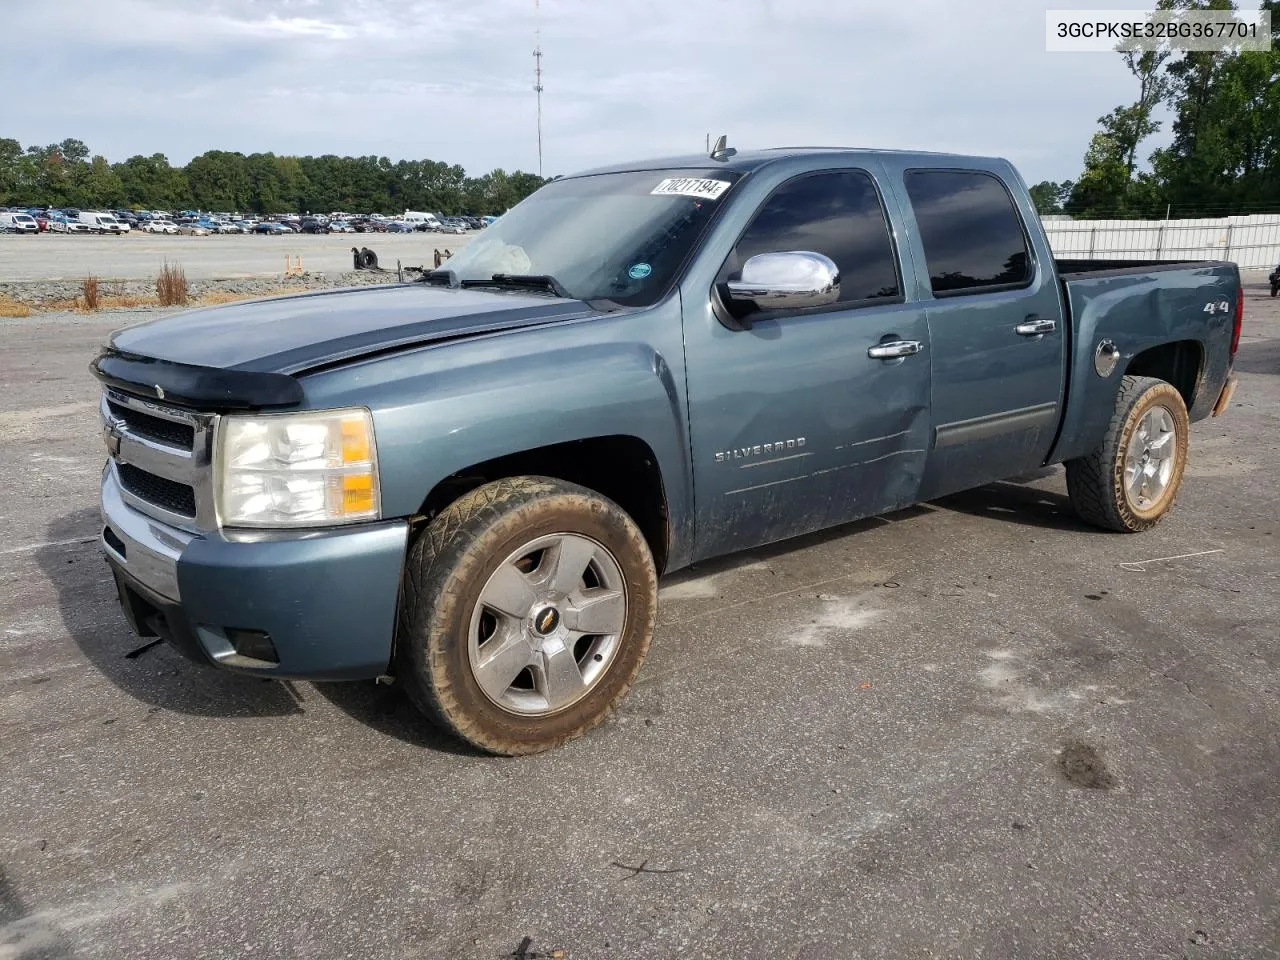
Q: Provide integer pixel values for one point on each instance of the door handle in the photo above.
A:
(1035, 327)
(894, 348)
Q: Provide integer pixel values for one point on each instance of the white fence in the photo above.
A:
(1252, 241)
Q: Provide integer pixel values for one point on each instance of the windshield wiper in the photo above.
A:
(530, 281)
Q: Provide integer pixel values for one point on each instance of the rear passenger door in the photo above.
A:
(995, 328)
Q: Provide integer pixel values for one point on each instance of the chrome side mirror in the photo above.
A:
(787, 281)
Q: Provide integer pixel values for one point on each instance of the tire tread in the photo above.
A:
(1092, 480)
(437, 570)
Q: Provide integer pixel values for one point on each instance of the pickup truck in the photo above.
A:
(471, 483)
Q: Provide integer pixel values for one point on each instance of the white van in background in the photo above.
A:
(419, 216)
(18, 222)
(103, 222)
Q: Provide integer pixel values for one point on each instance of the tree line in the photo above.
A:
(1224, 157)
(66, 175)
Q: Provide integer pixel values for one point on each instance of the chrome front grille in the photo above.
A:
(173, 433)
(161, 456)
(177, 498)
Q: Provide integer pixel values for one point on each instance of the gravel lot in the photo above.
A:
(974, 728)
(55, 256)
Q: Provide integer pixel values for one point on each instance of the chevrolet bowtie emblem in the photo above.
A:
(547, 620)
(111, 434)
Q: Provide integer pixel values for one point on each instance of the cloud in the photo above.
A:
(453, 81)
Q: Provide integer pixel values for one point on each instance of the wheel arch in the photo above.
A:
(1180, 363)
(622, 467)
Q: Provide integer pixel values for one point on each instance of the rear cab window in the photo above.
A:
(974, 240)
(838, 213)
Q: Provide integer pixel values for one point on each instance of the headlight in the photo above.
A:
(296, 469)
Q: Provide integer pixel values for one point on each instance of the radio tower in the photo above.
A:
(537, 73)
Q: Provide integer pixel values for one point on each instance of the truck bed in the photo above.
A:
(1183, 308)
(1073, 269)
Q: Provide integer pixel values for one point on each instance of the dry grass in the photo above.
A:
(13, 308)
(107, 300)
(89, 291)
(171, 287)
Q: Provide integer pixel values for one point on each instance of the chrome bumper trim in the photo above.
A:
(151, 549)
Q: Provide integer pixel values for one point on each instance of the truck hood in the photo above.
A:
(289, 335)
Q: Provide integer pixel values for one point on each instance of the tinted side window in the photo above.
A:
(837, 214)
(970, 229)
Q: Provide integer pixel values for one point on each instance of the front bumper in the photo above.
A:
(317, 605)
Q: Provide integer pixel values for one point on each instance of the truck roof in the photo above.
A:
(745, 161)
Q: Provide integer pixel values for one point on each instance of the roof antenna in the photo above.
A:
(722, 151)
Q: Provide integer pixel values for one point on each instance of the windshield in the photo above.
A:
(616, 236)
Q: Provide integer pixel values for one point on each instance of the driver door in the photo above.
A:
(794, 425)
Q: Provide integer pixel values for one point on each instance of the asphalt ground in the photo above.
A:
(975, 728)
(138, 256)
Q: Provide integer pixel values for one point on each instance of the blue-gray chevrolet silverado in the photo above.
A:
(471, 483)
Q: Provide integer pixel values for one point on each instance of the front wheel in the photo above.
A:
(1129, 481)
(529, 606)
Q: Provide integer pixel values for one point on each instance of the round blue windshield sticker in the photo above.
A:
(639, 271)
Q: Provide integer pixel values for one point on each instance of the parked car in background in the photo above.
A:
(161, 226)
(65, 224)
(230, 227)
(312, 225)
(271, 228)
(421, 219)
(19, 223)
(399, 226)
(340, 226)
(100, 222)
(193, 230)
(452, 225)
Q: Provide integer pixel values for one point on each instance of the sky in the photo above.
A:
(623, 79)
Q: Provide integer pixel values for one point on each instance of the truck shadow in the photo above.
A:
(1015, 502)
(388, 711)
(1011, 501)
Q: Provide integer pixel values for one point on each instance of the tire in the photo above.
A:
(1275, 289)
(1107, 487)
(474, 551)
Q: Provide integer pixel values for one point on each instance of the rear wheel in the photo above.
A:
(1129, 481)
(528, 608)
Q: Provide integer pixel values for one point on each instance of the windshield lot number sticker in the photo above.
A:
(690, 187)
(639, 271)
